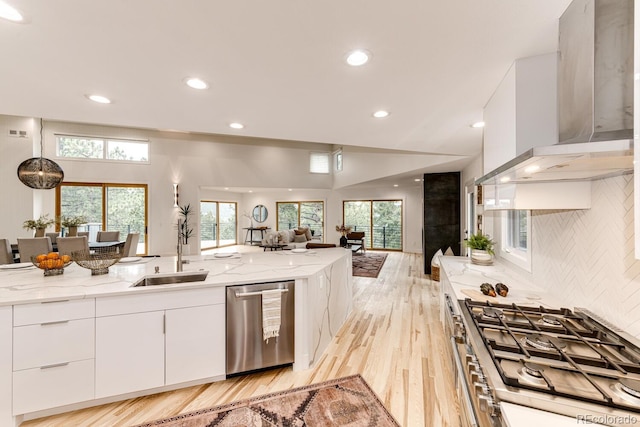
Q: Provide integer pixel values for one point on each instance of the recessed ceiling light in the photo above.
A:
(505, 179)
(99, 99)
(226, 188)
(9, 13)
(417, 179)
(395, 185)
(195, 83)
(290, 189)
(532, 169)
(358, 57)
(381, 114)
(236, 125)
(478, 125)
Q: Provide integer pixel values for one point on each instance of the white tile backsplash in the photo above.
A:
(586, 257)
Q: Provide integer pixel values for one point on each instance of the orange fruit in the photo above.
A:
(66, 258)
(40, 258)
(58, 263)
(53, 255)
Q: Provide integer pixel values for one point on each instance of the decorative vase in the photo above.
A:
(73, 231)
(343, 241)
(481, 257)
(186, 249)
(39, 232)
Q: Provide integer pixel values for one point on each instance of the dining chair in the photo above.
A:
(131, 244)
(32, 246)
(6, 254)
(83, 233)
(108, 236)
(52, 236)
(67, 245)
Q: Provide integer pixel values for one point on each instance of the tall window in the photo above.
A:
(381, 220)
(218, 224)
(110, 207)
(516, 238)
(301, 214)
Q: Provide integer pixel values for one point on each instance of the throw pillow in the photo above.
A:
(306, 231)
(300, 238)
(284, 237)
(299, 231)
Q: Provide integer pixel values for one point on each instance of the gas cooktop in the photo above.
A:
(561, 353)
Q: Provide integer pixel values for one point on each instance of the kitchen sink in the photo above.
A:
(171, 278)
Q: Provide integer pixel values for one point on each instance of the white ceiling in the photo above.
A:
(275, 65)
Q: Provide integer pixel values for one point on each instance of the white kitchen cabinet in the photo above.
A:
(195, 343)
(522, 112)
(636, 126)
(149, 340)
(53, 354)
(129, 353)
(6, 355)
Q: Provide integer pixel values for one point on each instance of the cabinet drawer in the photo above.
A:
(53, 311)
(50, 343)
(162, 300)
(43, 388)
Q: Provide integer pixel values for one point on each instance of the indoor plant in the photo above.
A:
(39, 225)
(481, 247)
(343, 230)
(184, 231)
(71, 223)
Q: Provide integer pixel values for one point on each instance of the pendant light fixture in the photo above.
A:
(40, 173)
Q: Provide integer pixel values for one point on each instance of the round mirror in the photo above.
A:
(260, 213)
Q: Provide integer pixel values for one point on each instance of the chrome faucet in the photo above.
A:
(179, 262)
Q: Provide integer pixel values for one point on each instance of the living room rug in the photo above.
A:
(347, 401)
(368, 264)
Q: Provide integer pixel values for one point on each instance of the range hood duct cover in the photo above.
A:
(595, 71)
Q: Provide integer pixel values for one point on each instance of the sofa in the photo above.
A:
(295, 238)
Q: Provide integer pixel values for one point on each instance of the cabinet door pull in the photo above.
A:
(53, 302)
(55, 365)
(54, 323)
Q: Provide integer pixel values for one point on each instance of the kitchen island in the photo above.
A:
(77, 340)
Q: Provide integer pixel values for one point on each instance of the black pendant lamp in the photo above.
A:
(40, 173)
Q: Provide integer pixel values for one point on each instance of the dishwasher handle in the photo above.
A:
(252, 294)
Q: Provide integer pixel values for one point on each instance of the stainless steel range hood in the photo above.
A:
(595, 100)
(566, 162)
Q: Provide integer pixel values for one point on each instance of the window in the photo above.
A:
(516, 238)
(110, 207)
(384, 217)
(218, 224)
(301, 214)
(319, 163)
(337, 160)
(80, 147)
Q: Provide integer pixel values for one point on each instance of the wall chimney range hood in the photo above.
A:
(595, 100)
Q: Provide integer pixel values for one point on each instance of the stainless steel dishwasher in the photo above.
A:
(246, 349)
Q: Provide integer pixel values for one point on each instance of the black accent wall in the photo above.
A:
(441, 215)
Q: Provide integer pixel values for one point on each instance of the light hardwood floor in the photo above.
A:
(393, 338)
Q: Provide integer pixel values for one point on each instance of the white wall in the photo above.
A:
(202, 165)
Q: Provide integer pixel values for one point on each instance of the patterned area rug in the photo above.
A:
(368, 265)
(343, 402)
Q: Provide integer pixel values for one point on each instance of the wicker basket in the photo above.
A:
(435, 273)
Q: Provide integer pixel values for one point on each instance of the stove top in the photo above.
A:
(560, 353)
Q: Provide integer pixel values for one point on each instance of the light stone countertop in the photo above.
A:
(30, 285)
(465, 276)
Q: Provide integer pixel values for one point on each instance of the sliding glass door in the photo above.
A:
(301, 214)
(218, 224)
(109, 207)
(381, 220)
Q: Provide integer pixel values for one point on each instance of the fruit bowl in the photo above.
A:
(52, 263)
(98, 261)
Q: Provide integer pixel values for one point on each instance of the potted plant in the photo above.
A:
(184, 230)
(71, 223)
(481, 247)
(343, 230)
(39, 225)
